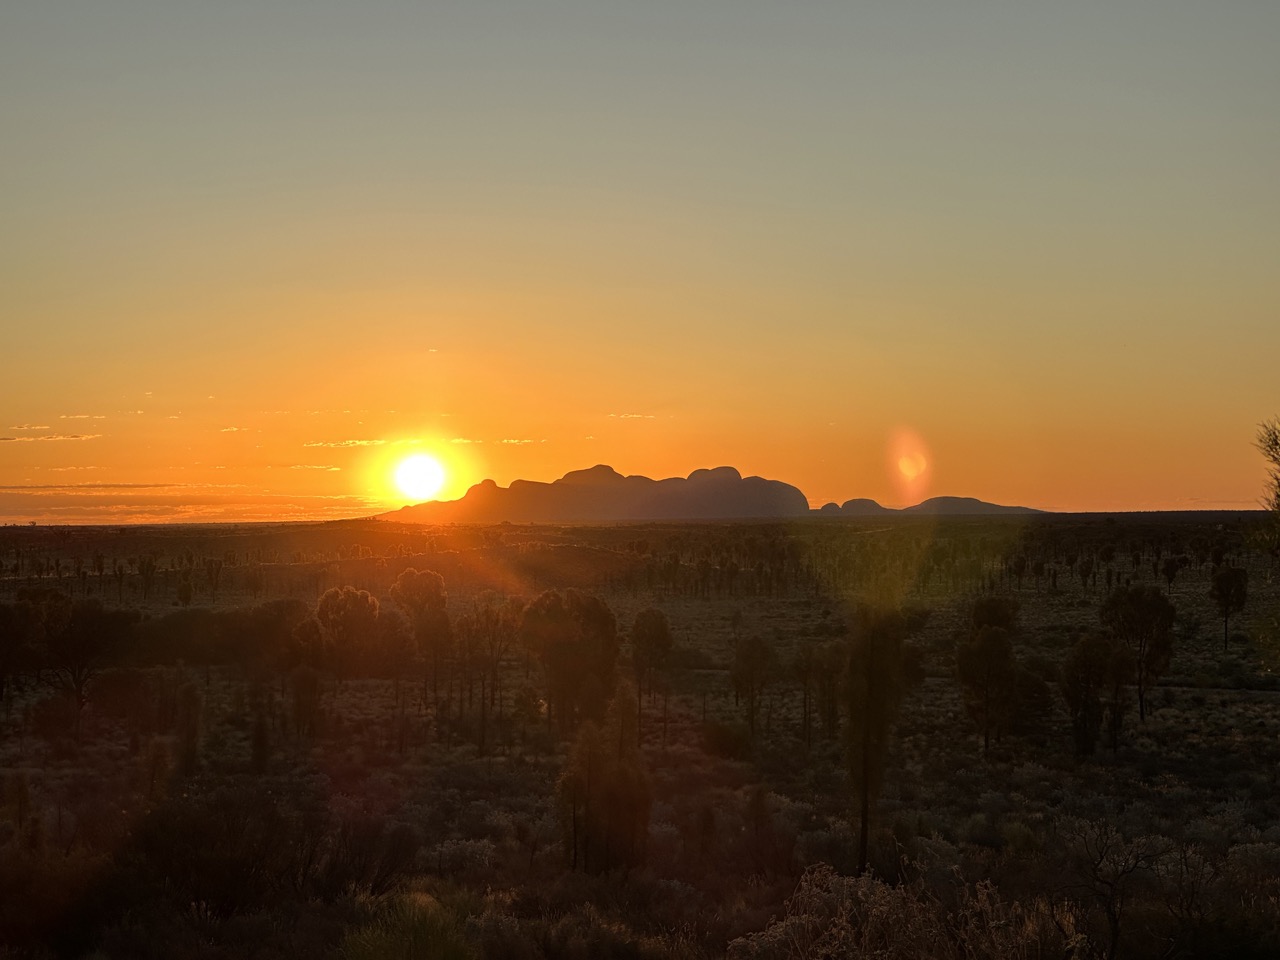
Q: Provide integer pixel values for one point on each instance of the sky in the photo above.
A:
(253, 255)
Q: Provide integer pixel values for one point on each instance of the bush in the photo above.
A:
(729, 740)
(412, 927)
(831, 915)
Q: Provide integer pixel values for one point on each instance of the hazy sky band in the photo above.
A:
(1042, 238)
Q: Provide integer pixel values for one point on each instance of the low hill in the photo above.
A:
(933, 507)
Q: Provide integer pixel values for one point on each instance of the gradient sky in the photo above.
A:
(252, 254)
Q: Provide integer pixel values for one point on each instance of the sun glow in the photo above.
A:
(912, 466)
(420, 477)
(909, 465)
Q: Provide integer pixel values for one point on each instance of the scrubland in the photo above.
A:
(274, 741)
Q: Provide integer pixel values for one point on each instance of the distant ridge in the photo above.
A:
(933, 507)
(964, 507)
(601, 494)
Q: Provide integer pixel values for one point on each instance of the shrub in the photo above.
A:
(411, 927)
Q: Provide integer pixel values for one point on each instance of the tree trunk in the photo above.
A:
(864, 813)
(986, 720)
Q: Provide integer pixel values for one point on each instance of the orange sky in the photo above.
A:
(251, 259)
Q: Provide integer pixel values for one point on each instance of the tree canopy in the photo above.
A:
(1142, 617)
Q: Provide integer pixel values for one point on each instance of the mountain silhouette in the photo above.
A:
(933, 507)
(603, 494)
(964, 507)
(862, 507)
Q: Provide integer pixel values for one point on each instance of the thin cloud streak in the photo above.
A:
(344, 443)
(52, 436)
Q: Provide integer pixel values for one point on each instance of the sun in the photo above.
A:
(420, 476)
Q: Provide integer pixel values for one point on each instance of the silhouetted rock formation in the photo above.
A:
(862, 507)
(934, 507)
(963, 507)
(603, 494)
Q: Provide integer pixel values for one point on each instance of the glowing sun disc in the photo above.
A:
(420, 476)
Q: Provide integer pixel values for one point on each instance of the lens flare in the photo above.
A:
(910, 466)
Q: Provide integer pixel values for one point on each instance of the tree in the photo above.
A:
(830, 665)
(992, 611)
(80, 640)
(1269, 445)
(755, 666)
(604, 792)
(1086, 569)
(147, 568)
(1109, 868)
(650, 644)
(575, 636)
(1095, 679)
(392, 647)
(19, 624)
(1229, 589)
(498, 618)
(350, 618)
(213, 574)
(485, 633)
(875, 684)
(269, 630)
(309, 646)
(988, 673)
(422, 595)
(650, 647)
(255, 580)
(1142, 617)
(185, 589)
(804, 668)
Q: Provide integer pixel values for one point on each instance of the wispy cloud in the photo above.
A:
(344, 443)
(465, 440)
(31, 426)
(232, 429)
(632, 416)
(314, 466)
(98, 485)
(82, 416)
(518, 442)
(51, 436)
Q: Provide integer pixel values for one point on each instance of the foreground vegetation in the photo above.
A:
(1049, 736)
